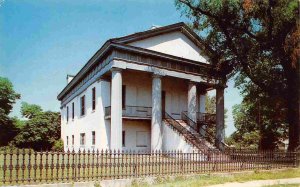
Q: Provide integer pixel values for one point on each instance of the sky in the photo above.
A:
(41, 41)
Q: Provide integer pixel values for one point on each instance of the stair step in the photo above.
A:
(190, 134)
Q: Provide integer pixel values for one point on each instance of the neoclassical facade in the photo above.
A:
(142, 92)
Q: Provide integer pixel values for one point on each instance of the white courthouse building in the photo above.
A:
(145, 91)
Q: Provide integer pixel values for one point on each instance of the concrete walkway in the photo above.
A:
(259, 183)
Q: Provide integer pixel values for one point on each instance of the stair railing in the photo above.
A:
(198, 128)
(175, 124)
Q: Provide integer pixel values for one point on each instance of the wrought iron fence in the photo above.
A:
(21, 167)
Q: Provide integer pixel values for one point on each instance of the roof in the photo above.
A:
(182, 27)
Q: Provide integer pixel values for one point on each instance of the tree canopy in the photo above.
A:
(256, 40)
(8, 97)
(40, 131)
(30, 110)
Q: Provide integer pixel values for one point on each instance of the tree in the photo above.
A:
(259, 125)
(40, 131)
(7, 98)
(30, 110)
(257, 39)
(210, 108)
(260, 119)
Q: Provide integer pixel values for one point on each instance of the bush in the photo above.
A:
(8, 149)
(58, 145)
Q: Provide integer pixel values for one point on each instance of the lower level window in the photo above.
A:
(82, 138)
(142, 139)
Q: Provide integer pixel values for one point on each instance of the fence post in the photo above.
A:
(297, 158)
(181, 162)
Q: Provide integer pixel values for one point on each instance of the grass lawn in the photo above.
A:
(205, 180)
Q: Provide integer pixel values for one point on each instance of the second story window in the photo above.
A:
(93, 138)
(82, 105)
(82, 138)
(67, 114)
(94, 98)
(72, 139)
(73, 110)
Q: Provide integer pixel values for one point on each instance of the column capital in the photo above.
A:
(220, 86)
(156, 75)
(193, 82)
(202, 92)
(115, 69)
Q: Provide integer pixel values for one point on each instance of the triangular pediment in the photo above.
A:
(177, 40)
(174, 43)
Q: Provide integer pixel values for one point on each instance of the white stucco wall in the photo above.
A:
(91, 121)
(138, 93)
(176, 96)
(174, 43)
(131, 128)
(174, 141)
(138, 88)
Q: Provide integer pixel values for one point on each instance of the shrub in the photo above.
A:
(58, 145)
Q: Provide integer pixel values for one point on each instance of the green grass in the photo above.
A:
(212, 179)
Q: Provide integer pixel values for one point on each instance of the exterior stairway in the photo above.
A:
(189, 134)
(187, 128)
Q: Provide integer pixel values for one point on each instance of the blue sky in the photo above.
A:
(41, 41)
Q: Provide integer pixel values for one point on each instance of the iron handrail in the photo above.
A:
(199, 129)
(207, 118)
(175, 124)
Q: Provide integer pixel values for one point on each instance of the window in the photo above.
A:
(72, 139)
(73, 110)
(123, 96)
(82, 138)
(142, 139)
(67, 140)
(82, 105)
(94, 98)
(67, 114)
(123, 138)
(93, 138)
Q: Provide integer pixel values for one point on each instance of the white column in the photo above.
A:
(220, 128)
(192, 101)
(116, 109)
(156, 122)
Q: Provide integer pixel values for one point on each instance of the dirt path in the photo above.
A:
(258, 183)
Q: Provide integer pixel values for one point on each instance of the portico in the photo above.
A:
(150, 94)
(143, 101)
